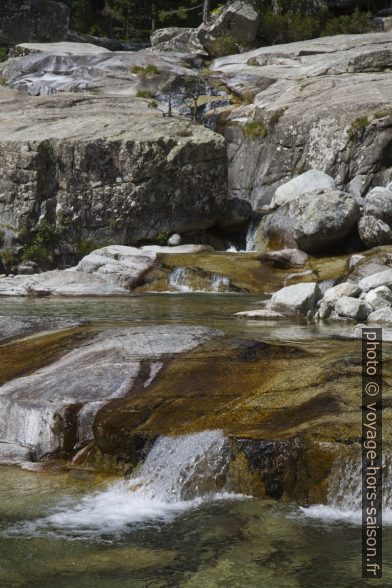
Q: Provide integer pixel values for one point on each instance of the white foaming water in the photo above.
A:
(220, 283)
(179, 473)
(180, 277)
(345, 494)
(251, 235)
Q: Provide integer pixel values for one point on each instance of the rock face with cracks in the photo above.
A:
(104, 170)
(32, 20)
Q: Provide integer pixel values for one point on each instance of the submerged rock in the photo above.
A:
(263, 314)
(53, 409)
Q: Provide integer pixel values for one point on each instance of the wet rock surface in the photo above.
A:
(53, 409)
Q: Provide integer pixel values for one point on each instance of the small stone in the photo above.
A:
(344, 289)
(382, 315)
(295, 300)
(383, 278)
(174, 240)
(324, 311)
(355, 260)
(379, 298)
(374, 232)
(352, 308)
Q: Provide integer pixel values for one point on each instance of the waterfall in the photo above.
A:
(251, 234)
(179, 473)
(181, 279)
(344, 501)
(220, 283)
(178, 279)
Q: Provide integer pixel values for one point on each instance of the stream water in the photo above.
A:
(176, 521)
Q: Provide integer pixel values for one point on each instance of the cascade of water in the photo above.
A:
(251, 235)
(179, 473)
(345, 492)
(178, 279)
(220, 283)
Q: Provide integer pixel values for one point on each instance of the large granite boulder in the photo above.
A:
(378, 203)
(238, 21)
(296, 300)
(321, 104)
(373, 231)
(32, 21)
(235, 27)
(309, 181)
(315, 222)
(99, 170)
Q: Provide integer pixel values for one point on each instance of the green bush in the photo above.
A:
(43, 239)
(145, 72)
(37, 253)
(255, 129)
(223, 46)
(3, 53)
(357, 126)
(85, 246)
(276, 29)
(356, 23)
(289, 26)
(145, 94)
(276, 116)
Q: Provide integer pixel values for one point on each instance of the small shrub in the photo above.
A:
(276, 116)
(162, 238)
(85, 246)
(244, 99)
(37, 253)
(43, 239)
(145, 94)
(9, 259)
(349, 24)
(382, 113)
(287, 27)
(302, 169)
(223, 46)
(2, 81)
(255, 129)
(3, 53)
(357, 126)
(144, 72)
(218, 10)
